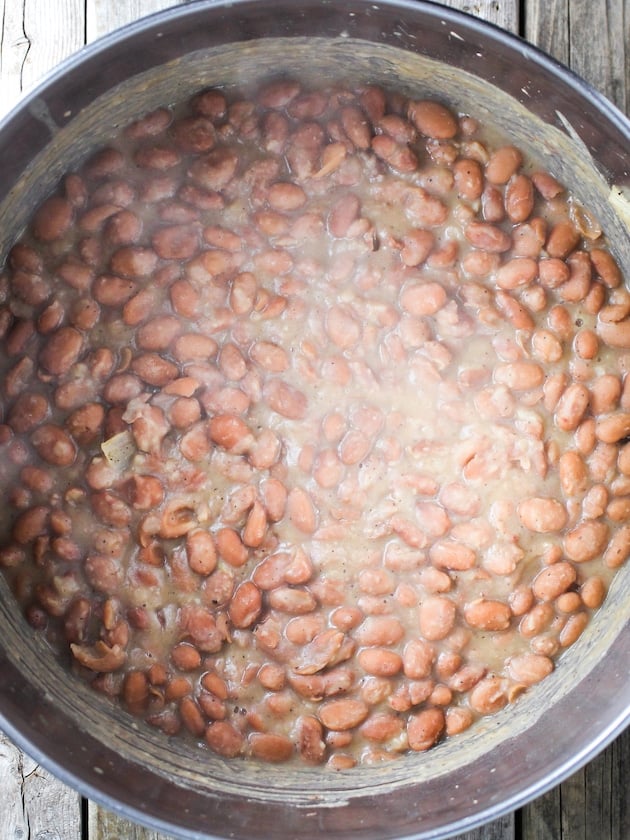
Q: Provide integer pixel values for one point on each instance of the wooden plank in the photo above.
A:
(34, 803)
(504, 13)
(593, 38)
(599, 47)
(592, 803)
(104, 825)
(103, 16)
(35, 36)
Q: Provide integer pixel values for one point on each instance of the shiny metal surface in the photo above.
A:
(507, 759)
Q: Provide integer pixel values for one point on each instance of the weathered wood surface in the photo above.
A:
(593, 37)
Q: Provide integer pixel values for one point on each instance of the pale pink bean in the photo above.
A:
(520, 376)
(423, 298)
(284, 399)
(529, 668)
(301, 511)
(519, 198)
(542, 515)
(436, 617)
(571, 407)
(553, 581)
(342, 327)
(432, 119)
(586, 541)
(503, 163)
(425, 728)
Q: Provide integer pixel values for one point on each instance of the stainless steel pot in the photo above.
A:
(505, 760)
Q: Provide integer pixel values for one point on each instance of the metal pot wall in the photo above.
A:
(506, 759)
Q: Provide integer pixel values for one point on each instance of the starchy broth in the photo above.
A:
(315, 422)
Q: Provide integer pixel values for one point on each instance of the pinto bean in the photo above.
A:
(61, 350)
(111, 290)
(380, 662)
(553, 581)
(503, 164)
(530, 668)
(593, 592)
(397, 155)
(586, 541)
(425, 728)
(542, 515)
(519, 198)
(230, 547)
(562, 239)
(52, 220)
(433, 119)
(214, 170)
(54, 445)
(230, 432)
(285, 400)
(606, 267)
(201, 551)
(436, 617)
(487, 237)
(27, 412)
(571, 407)
(488, 614)
(614, 427)
(618, 548)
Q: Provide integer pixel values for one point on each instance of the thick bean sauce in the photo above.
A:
(315, 422)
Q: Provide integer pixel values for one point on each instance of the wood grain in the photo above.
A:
(34, 804)
(592, 803)
(103, 16)
(36, 35)
(504, 13)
